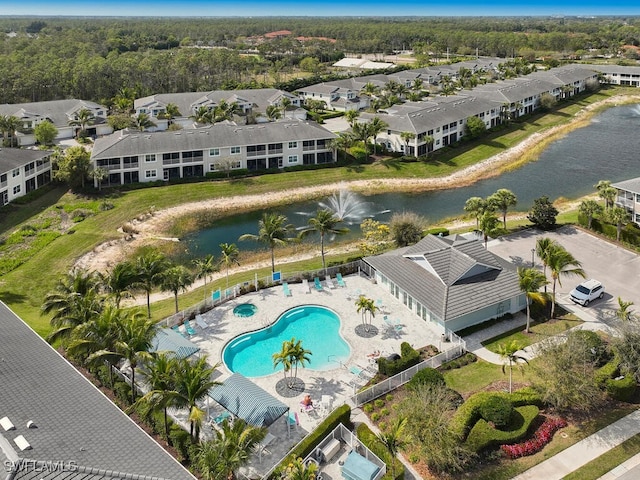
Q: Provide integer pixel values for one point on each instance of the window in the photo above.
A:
(293, 144)
(275, 148)
(235, 150)
(16, 189)
(150, 157)
(15, 172)
(150, 173)
(214, 152)
(130, 162)
(293, 159)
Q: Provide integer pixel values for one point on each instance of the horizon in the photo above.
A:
(317, 8)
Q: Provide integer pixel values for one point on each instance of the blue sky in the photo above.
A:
(220, 8)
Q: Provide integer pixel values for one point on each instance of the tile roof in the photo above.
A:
(76, 423)
(58, 111)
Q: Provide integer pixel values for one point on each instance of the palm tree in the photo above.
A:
(606, 192)
(205, 267)
(83, 119)
(297, 470)
(488, 224)
(99, 333)
(507, 352)
(9, 126)
(273, 231)
(325, 222)
(618, 216)
(351, 116)
(119, 281)
(142, 122)
(149, 269)
(392, 440)
(135, 334)
(171, 111)
(476, 206)
(366, 306)
(502, 200)
(98, 175)
(406, 138)
(544, 246)
(624, 311)
(562, 263)
(203, 115)
(428, 139)
(273, 113)
(590, 208)
(285, 103)
(298, 356)
(230, 254)
(174, 279)
(370, 89)
(376, 125)
(282, 358)
(226, 111)
(221, 457)
(530, 281)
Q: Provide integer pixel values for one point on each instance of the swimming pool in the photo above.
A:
(245, 310)
(318, 328)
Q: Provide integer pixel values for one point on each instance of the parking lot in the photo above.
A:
(617, 268)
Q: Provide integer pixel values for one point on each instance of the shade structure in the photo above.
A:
(168, 340)
(248, 401)
(356, 467)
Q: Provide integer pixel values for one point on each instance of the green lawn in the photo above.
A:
(608, 461)
(473, 377)
(538, 332)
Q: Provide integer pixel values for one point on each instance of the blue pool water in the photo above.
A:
(318, 328)
(245, 310)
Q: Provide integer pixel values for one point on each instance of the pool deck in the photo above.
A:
(223, 326)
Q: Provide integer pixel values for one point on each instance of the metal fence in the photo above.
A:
(456, 350)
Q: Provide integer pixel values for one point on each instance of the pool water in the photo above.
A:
(245, 310)
(317, 327)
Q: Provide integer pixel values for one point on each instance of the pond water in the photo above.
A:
(607, 149)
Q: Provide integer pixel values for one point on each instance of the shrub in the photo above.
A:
(370, 440)
(621, 388)
(609, 370)
(379, 403)
(426, 376)
(181, 440)
(459, 362)
(438, 231)
(541, 437)
(483, 436)
(497, 410)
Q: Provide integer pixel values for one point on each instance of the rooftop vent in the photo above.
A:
(30, 424)
(22, 443)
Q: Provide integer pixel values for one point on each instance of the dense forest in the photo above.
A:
(94, 58)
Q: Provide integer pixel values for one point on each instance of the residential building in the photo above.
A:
(629, 197)
(452, 281)
(250, 102)
(57, 424)
(132, 157)
(60, 113)
(22, 171)
(620, 75)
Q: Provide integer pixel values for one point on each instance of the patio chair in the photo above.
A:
(176, 328)
(190, 330)
(218, 420)
(340, 280)
(330, 283)
(200, 322)
(360, 372)
(305, 286)
(286, 289)
(318, 285)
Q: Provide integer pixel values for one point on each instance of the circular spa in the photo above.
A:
(318, 328)
(245, 310)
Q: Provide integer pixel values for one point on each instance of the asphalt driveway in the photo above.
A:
(617, 268)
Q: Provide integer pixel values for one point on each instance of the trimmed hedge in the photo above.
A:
(469, 412)
(426, 376)
(497, 410)
(608, 371)
(370, 440)
(459, 362)
(408, 358)
(342, 414)
(483, 436)
(622, 389)
(438, 231)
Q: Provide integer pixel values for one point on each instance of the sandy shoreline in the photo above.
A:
(104, 256)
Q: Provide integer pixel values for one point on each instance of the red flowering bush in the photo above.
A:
(541, 437)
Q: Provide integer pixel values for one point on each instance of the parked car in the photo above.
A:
(587, 292)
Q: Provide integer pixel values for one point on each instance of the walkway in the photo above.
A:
(585, 450)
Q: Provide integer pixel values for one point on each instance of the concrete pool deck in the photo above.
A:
(223, 326)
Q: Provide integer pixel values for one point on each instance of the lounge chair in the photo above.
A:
(305, 286)
(340, 280)
(318, 285)
(286, 289)
(177, 329)
(190, 330)
(330, 283)
(200, 322)
(221, 417)
(360, 372)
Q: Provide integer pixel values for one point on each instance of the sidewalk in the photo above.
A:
(585, 450)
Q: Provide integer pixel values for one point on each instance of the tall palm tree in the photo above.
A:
(406, 138)
(393, 441)
(590, 208)
(285, 103)
(501, 201)
(298, 357)
(362, 132)
(99, 333)
(226, 111)
(171, 111)
(119, 281)
(83, 119)
(351, 116)
(150, 266)
(230, 254)
(488, 224)
(297, 470)
(606, 192)
(507, 352)
(369, 89)
(282, 358)
(624, 311)
(273, 230)
(203, 115)
(562, 263)
(366, 306)
(544, 245)
(142, 121)
(530, 281)
(273, 113)
(618, 216)
(221, 457)
(135, 334)
(205, 267)
(9, 126)
(175, 279)
(325, 223)
(476, 206)
(376, 125)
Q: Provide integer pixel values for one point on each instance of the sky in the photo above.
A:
(249, 8)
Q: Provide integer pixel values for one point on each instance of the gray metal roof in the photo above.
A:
(75, 422)
(631, 185)
(11, 158)
(248, 401)
(168, 340)
(451, 276)
(220, 135)
(58, 111)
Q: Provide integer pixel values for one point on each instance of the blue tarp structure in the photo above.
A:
(168, 340)
(356, 467)
(248, 401)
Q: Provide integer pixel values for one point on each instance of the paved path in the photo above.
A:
(585, 450)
